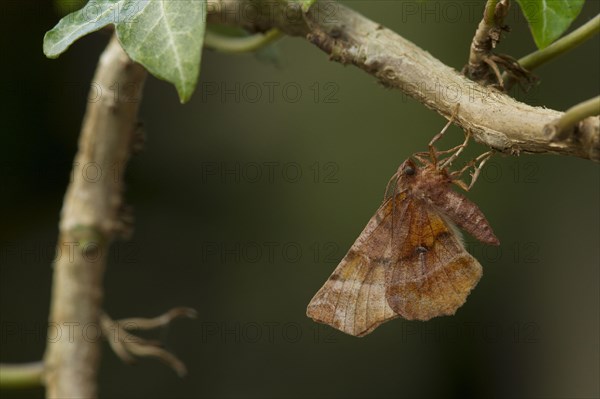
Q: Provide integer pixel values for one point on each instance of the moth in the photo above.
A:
(410, 260)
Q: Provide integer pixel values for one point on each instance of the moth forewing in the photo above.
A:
(353, 298)
(440, 294)
(434, 274)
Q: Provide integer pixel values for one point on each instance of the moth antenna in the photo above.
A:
(393, 213)
(393, 179)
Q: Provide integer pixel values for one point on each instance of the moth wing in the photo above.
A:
(433, 273)
(353, 299)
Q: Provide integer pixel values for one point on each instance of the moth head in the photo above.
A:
(420, 177)
(407, 172)
(408, 168)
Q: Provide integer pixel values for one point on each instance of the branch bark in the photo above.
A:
(90, 219)
(494, 118)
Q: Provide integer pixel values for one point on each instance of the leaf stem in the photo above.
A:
(559, 47)
(245, 44)
(560, 128)
(25, 375)
(490, 9)
(562, 45)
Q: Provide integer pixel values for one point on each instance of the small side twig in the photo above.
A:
(480, 67)
(563, 127)
(484, 65)
(26, 375)
(128, 346)
(245, 44)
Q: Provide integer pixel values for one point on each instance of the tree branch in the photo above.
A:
(494, 118)
(90, 219)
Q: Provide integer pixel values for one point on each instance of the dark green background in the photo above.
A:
(529, 329)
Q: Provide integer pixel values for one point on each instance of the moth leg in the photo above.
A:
(422, 157)
(477, 169)
(457, 151)
(433, 153)
(461, 184)
(450, 121)
(451, 150)
(482, 159)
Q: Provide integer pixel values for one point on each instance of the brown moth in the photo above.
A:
(409, 261)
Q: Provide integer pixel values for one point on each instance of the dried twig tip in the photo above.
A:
(128, 346)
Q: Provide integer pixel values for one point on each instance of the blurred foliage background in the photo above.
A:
(249, 252)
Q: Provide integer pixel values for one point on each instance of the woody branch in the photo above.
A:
(89, 222)
(494, 118)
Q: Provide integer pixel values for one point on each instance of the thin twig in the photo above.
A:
(228, 44)
(480, 67)
(564, 126)
(559, 47)
(90, 219)
(24, 375)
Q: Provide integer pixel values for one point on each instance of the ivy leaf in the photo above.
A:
(549, 19)
(305, 4)
(164, 36)
(64, 7)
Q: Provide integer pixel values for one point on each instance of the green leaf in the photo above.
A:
(305, 4)
(164, 36)
(64, 7)
(549, 19)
